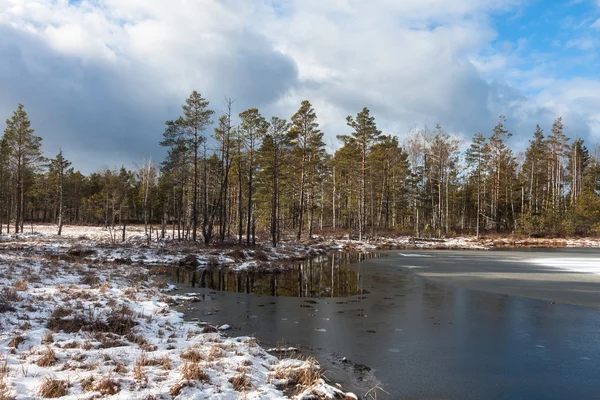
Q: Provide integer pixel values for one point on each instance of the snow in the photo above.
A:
(587, 265)
(105, 328)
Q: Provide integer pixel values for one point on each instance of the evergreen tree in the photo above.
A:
(307, 141)
(275, 144)
(24, 154)
(59, 168)
(252, 129)
(366, 135)
(477, 158)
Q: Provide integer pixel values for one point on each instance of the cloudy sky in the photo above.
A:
(99, 78)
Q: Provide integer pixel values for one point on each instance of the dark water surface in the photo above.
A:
(426, 340)
(321, 276)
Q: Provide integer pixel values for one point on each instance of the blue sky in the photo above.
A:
(557, 36)
(99, 78)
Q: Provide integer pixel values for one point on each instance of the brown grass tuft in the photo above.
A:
(48, 338)
(166, 363)
(145, 361)
(52, 388)
(191, 354)
(302, 377)
(240, 382)
(107, 387)
(214, 353)
(88, 383)
(119, 321)
(120, 368)
(139, 374)
(193, 372)
(16, 341)
(47, 359)
(178, 387)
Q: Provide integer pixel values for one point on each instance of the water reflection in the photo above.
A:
(321, 276)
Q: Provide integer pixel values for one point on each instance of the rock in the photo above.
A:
(209, 329)
(190, 261)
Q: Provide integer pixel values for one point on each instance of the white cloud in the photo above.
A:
(116, 69)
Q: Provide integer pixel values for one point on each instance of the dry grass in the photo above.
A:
(302, 377)
(214, 353)
(166, 363)
(120, 368)
(16, 341)
(145, 361)
(48, 338)
(240, 382)
(20, 286)
(87, 383)
(52, 388)
(139, 374)
(192, 371)
(191, 354)
(4, 391)
(90, 279)
(8, 297)
(178, 387)
(48, 358)
(107, 387)
(119, 321)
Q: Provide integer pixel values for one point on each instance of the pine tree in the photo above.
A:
(4, 183)
(275, 144)
(558, 152)
(307, 140)
(175, 168)
(477, 158)
(24, 149)
(196, 119)
(501, 162)
(366, 135)
(225, 136)
(59, 167)
(534, 176)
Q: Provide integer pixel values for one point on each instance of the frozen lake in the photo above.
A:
(442, 324)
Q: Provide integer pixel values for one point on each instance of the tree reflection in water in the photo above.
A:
(321, 276)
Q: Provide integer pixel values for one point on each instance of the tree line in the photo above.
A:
(234, 179)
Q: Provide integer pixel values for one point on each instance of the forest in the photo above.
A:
(248, 178)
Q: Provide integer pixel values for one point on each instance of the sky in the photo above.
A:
(100, 78)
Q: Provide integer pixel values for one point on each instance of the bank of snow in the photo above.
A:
(89, 330)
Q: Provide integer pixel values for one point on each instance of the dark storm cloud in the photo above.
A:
(104, 115)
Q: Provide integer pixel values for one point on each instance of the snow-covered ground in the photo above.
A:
(587, 265)
(82, 328)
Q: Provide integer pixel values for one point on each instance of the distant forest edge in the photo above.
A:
(268, 177)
